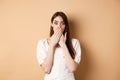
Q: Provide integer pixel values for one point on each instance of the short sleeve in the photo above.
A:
(77, 49)
(41, 52)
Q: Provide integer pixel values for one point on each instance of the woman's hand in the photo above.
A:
(54, 39)
(63, 39)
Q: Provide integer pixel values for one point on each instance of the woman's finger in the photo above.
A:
(58, 33)
(65, 36)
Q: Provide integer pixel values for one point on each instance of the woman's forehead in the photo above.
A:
(58, 18)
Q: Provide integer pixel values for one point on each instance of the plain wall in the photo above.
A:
(96, 23)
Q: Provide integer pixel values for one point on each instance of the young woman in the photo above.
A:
(59, 55)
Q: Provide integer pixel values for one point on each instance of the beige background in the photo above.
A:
(96, 23)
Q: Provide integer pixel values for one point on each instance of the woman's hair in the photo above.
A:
(68, 37)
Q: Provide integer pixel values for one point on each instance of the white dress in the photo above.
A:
(59, 70)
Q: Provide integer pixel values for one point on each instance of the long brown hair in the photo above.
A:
(68, 37)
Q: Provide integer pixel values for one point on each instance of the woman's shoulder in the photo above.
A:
(42, 41)
(75, 41)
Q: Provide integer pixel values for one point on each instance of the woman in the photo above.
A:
(59, 55)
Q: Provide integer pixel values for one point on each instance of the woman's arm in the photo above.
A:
(71, 64)
(48, 62)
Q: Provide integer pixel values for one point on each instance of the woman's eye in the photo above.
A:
(63, 23)
(55, 23)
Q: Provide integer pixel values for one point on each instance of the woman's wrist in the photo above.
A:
(63, 45)
(52, 45)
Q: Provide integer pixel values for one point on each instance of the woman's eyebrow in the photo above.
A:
(55, 20)
(58, 21)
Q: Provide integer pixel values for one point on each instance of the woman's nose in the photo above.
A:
(59, 25)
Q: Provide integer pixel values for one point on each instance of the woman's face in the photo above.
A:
(58, 23)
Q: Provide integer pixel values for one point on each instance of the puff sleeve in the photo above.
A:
(41, 51)
(77, 49)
